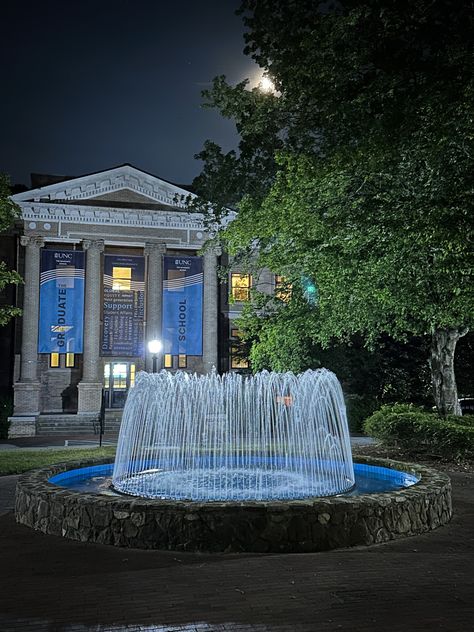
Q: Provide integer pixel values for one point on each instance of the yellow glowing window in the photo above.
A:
(182, 361)
(168, 361)
(132, 375)
(240, 286)
(54, 360)
(121, 278)
(282, 288)
(69, 360)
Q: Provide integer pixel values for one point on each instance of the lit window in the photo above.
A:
(240, 286)
(182, 361)
(236, 359)
(168, 361)
(282, 288)
(70, 360)
(54, 360)
(132, 375)
(107, 375)
(121, 278)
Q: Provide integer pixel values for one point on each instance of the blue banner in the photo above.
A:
(123, 306)
(182, 305)
(61, 312)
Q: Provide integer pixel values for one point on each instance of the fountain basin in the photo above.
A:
(311, 524)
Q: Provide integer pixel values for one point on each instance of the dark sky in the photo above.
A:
(90, 84)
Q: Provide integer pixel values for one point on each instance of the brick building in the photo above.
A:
(125, 236)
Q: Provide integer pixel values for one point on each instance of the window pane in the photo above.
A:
(182, 361)
(168, 361)
(69, 360)
(240, 286)
(107, 375)
(121, 278)
(54, 360)
(132, 375)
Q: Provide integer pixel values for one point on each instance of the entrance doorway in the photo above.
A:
(119, 377)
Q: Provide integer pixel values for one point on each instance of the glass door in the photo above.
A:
(119, 377)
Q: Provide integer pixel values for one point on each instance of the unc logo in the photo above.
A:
(182, 262)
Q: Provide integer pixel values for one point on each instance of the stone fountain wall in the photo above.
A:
(317, 524)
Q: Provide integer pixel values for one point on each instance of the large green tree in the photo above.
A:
(9, 211)
(362, 177)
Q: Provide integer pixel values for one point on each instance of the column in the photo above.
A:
(154, 295)
(90, 387)
(210, 309)
(27, 389)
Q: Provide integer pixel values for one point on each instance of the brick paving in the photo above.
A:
(425, 583)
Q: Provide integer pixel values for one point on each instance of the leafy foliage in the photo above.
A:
(362, 177)
(418, 431)
(9, 211)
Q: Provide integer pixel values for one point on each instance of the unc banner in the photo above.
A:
(182, 305)
(123, 306)
(61, 312)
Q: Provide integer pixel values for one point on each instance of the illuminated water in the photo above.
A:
(229, 438)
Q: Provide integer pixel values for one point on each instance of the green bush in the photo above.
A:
(6, 410)
(417, 430)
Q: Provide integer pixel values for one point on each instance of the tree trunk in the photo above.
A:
(443, 346)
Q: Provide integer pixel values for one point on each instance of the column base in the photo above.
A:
(89, 397)
(26, 399)
(22, 427)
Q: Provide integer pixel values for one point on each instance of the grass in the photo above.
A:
(18, 461)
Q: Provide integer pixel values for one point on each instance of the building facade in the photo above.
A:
(110, 261)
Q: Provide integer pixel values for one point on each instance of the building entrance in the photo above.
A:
(119, 377)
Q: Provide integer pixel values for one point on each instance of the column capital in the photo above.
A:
(212, 250)
(32, 240)
(155, 247)
(93, 244)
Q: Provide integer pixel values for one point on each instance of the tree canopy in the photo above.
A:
(357, 171)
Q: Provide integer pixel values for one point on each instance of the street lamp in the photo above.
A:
(154, 347)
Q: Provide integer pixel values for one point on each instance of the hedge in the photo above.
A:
(417, 430)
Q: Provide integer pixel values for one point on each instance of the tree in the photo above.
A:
(9, 211)
(369, 187)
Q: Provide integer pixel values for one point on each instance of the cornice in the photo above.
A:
(79, 214)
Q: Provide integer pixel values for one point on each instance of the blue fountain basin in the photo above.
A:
(369, 479)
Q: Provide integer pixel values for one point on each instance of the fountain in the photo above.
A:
(232, 463)
(228, 438)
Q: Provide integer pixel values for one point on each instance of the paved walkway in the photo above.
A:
(419, 584)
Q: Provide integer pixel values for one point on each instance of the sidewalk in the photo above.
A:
(420, 584)
(88, 441)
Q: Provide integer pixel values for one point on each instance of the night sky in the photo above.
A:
(91, 84)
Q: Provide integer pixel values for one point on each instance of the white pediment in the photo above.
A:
(104, 184)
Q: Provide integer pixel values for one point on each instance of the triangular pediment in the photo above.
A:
(121, 184)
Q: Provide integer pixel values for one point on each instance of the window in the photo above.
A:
(168, 361)
(70, 360)
(240, 286)
(182, 361)
(132, 375)
(121, 278)
(237, 361)
(54, 360)
(282, 288)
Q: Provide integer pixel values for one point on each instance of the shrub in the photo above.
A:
(417, 430)
(6, 410)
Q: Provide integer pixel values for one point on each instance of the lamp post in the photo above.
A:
(154, 347)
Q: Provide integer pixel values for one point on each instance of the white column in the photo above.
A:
(90, 387)
(210, 309)
(154, 296)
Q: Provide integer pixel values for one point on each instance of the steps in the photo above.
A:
(63, 424)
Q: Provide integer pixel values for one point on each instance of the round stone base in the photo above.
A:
(316, 524)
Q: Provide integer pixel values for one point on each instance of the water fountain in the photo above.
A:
(272, 436)
(227, 463)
